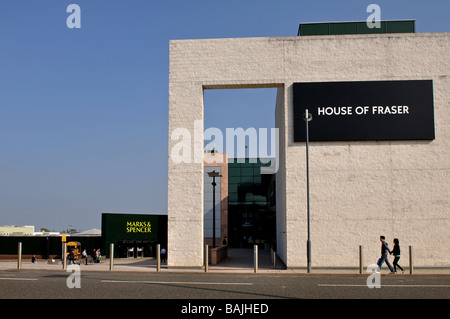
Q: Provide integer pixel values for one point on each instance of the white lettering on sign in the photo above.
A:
(343, 110)
(363, 110)
(400, 109)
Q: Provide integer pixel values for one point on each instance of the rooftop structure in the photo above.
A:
(356, 27)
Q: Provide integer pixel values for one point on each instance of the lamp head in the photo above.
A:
(214, 174)
(307, 116)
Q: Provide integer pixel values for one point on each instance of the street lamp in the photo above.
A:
(214, 174)
(308, 117)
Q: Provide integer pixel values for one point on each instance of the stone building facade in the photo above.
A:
(359, 190)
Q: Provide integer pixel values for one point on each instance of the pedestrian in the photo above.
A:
(33, 259)
(72, 257)
(84, 254)
(98, 256)
(384, 255)
(163, 255)
(396, 252)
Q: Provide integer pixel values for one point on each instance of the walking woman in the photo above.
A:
(396, 252)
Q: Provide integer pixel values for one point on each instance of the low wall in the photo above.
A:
(216, 255)
(28, 256)
(44, 246)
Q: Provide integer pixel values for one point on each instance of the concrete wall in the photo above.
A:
(281, 124)
(359, 190)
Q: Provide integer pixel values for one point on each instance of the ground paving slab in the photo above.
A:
(238, 261)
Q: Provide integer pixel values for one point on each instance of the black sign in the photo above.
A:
(364, 111)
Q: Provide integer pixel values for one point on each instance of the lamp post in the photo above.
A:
(214, 174)
(308, 117)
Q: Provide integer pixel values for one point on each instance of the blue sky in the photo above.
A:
(84, 112)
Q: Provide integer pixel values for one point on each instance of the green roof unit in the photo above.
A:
(358, 27)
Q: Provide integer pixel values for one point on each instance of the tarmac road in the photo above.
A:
(218, 295)
(45, 284)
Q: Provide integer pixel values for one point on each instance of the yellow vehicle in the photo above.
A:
(74, 246)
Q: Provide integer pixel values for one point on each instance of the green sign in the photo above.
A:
(132, 230)
(129, 227)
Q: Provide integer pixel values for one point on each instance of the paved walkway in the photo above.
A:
(238, 261)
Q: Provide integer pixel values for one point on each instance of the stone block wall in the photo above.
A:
(359, 190)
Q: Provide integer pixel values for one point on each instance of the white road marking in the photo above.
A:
(178, 282)
(18, 278)
(402, 286)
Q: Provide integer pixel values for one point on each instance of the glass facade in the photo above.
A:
(251, 204)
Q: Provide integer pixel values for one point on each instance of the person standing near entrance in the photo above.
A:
(94, 253)
(163, 255)
(396, 252)
(384, 254)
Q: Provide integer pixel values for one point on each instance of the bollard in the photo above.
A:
(158, 257)
(274, 259)
(19, 256)
(206, 258)
(111, 257)
(361, 270)
(64, 256)
(255, 258)
(411, 265)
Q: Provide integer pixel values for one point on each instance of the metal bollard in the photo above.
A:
(255, 258)
(158, 257)
(19, 256)
(64, 255)
(111, 257)
(274, 259)
(361, 267)
(411, 264)
(206, 258)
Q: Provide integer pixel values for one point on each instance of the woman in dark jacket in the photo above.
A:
(396, 252)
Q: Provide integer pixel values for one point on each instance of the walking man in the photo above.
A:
(384, 254)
